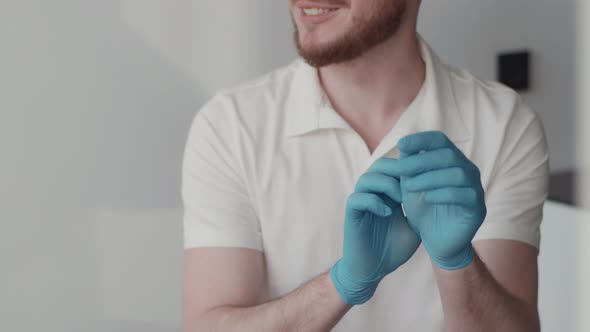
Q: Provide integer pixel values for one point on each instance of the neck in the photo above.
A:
(378, 86)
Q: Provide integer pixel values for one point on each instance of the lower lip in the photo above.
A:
(317, 19)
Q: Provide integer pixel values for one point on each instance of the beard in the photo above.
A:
(367, 32)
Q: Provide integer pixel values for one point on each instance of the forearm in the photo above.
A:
(474, 301)
(315, 306)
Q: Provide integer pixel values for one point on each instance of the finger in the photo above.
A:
(437, 179)
(459, 196)
(383, 166)
(424, 141)
(378, 183)
(420, 163)
(359, 203)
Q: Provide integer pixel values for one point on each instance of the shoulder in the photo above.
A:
(245, 119)
(494, 109)
(252, 100)
(505, 130)
(489, 99)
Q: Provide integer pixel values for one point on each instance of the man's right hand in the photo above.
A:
(377, 237)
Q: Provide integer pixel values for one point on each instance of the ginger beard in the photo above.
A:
(367, 31)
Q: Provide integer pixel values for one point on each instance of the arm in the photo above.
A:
(503, 293)
(444, 201)
(222, 285)
(221, 290)
(488, 295)
(224, 264)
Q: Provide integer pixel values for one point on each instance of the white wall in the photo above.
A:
(469, 33)
(92, 118)
(96, 98)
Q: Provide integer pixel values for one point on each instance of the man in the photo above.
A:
(367, 188)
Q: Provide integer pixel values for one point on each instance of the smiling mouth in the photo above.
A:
(317, 11)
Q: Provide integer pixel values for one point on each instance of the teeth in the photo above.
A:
(315, 11)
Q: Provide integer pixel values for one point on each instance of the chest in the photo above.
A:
(301, 188)
(302, 191)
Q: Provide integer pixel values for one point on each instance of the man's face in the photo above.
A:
(334, 31)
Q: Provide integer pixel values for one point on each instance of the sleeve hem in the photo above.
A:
(509, 231)
(208, 240)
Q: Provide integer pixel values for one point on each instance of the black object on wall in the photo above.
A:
(563, 187)
(514, 69)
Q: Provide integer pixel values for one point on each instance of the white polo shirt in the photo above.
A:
(269, 166)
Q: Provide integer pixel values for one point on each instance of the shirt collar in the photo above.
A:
(435, 107)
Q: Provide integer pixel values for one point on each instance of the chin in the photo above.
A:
(310, 44)
(317, 39)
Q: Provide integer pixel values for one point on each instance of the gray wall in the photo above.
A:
(92, 118)
(583, 123)
(469, 33)
(96, 98)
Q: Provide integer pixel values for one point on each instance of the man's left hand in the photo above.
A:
(442, 196)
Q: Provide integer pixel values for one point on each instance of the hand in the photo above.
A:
(442, 196)
(377, 238)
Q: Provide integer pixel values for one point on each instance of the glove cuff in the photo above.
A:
(464, 258)
(352, 291)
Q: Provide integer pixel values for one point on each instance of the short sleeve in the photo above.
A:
(218, 211)
(519, 185)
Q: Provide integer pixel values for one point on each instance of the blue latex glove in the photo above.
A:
(442, 196)
(377, 238)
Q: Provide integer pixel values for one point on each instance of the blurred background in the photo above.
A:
(96, 99)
